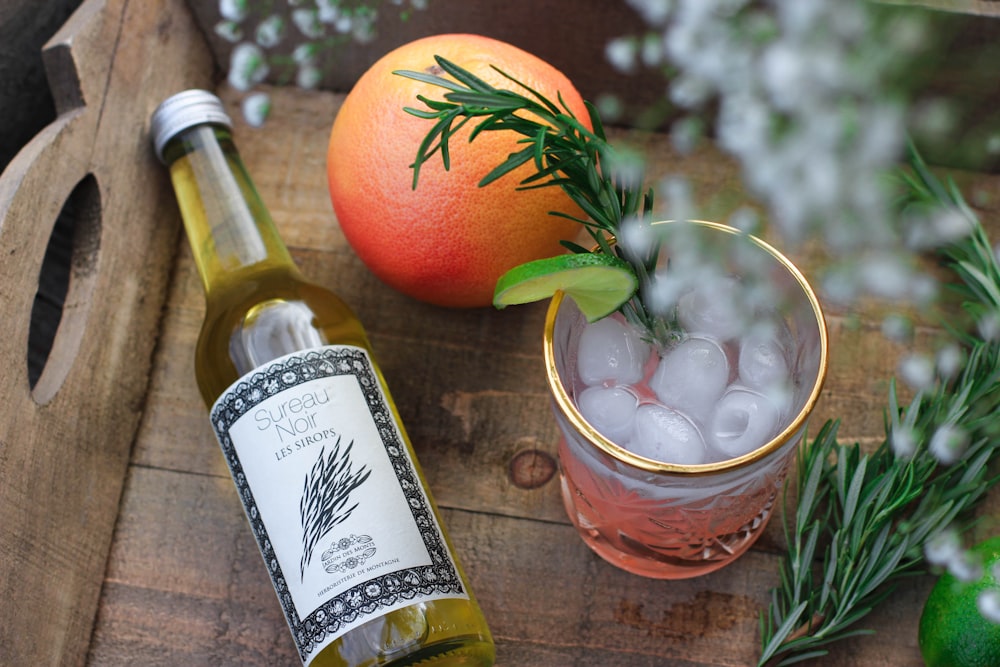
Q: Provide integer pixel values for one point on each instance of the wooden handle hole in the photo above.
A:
(65, 286)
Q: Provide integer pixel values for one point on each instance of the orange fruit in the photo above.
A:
(449, 240)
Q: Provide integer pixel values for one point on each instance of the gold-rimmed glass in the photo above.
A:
(673, 521)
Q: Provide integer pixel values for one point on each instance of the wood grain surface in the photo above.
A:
(185, 584)
(122, 541)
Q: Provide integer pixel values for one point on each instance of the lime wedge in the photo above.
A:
(599, 284)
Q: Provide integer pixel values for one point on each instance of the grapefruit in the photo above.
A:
(449, 240)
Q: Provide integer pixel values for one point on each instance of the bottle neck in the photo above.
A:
(228, 227)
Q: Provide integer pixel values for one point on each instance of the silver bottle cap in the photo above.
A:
(184, 110)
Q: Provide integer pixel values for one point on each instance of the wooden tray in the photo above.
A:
(122, 541)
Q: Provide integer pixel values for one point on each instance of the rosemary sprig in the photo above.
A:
(862, 519)
(565, 154)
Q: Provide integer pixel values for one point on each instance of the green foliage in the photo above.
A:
(862, 519)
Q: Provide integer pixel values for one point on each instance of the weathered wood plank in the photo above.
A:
(185, 586)
(971, 7)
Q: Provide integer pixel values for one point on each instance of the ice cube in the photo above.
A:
(742, 421)
(691, 377)
(611, 352)
(610, 410)
(713, 308)
(666, 435)
(763, 363)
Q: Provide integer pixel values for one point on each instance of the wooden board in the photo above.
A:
(117, 432)
(65, 443)
(974, 7)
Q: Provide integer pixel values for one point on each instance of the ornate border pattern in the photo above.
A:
(439, 578)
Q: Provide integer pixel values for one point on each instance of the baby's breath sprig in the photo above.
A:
(606, 183)
(864, 521)
(263, 32)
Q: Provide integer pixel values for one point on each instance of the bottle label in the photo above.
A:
(332, 495)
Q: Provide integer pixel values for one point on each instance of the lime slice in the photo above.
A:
(599, 284)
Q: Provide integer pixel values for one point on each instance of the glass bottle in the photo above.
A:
(349, 533)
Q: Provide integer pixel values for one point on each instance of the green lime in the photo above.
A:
(953, 632)
(598, 283)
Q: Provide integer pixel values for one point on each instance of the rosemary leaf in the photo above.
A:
(513, 161)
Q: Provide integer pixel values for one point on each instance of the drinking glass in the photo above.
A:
(668, 520)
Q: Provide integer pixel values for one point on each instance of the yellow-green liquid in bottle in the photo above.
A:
(260, 310)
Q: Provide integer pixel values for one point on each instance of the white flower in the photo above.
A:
(917, 370)
(951, 225)
(636, 238)
(329, 10)
(651, 51)
(882, 136)
(256, 108)
(934, 117)
(308, 77)
(948, 443)
(305, 54)
(800, 91)
(988, 603)
(621, 53)
(949, 361)
(923, 289)
(966, 566)
(943, 547)
(229, 31)
(903, 442)
(800, 17)
(887, 275)
(363, 28)
(676, 190)
(686, 133)
(783, 73)
(993, 143)
(898, 328)
(745, 219)
(840, 285)
(690, 92)
(989, 326)
(233, 10)
(270, 31)
(247, 66)
(907, 35)
(654, 12)
(308, 23)
(663, 290)
(610, 107)
(343, 24)
(627, 167)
